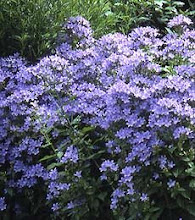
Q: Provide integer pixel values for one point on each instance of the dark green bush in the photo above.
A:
(156, 13)
(30, 27)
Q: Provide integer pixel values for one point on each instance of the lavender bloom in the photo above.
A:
(71, 154)
(78, 27)
(70, 205)
(179, 20)
(144, 197)
(2, 204)
(113, 147)
(108, 165)
(75, 203)
(103, 177)
(170, 164)
(78, 174)
(180, 131)
(55, 206)
(156, 176)
(127, 174)
(130, 190)
(171, 183)
(163, 162)
(53, 174)
(118, 193)
(55, 188)
(138, 90)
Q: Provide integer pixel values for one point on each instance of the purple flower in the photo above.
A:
(78, 174)
(55, 207)
(144, 197)
(73, 204)
(117, 193)
(2, 204)
(171, 183)
(70, 205)
(162, 161)
(71, 154)
(156, 176)
(78, 27)
(137, 91)
(179, 20)
(180, 131)
(108, 165)
(130, 190)
(103, 177)
(170, 164)
(53, 174)
(55, 188)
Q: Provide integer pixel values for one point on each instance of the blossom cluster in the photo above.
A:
(137, 90)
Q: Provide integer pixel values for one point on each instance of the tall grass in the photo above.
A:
(31, 26)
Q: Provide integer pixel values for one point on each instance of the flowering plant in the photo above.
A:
(110, 117)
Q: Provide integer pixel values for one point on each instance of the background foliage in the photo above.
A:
(105, 126)
(30, 27)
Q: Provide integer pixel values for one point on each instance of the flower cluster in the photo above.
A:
(137, 91)
(180, 20)
(2, 204)
(71, 154)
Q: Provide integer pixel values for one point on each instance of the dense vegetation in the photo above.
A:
(30, 27)
(97, 119)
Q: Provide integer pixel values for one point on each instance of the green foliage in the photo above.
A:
(165, 202)
(140, 12)
(98, 12)
(30, 27)
(165, 10)
(89, 187)
(131, 13)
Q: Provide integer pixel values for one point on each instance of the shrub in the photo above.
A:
(30, 27)
(101, 118)
(131, 14)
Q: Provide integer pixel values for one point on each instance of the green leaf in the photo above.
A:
(186, 194)
(181, 203)
(76, 120)
(176, 172)
(148, 216)
(87, 129)
(46, 145)
(121, 218)
(94, 155)
(47, 157)
(191, 209)
(95, 204)
(160, 2)
(192, 183)
(186, 159)
(90, 190)
(191, 171)
(60, 154)
(156, 215)
(154, 209)
(179, 3)
(53, 165)
(102, 196)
